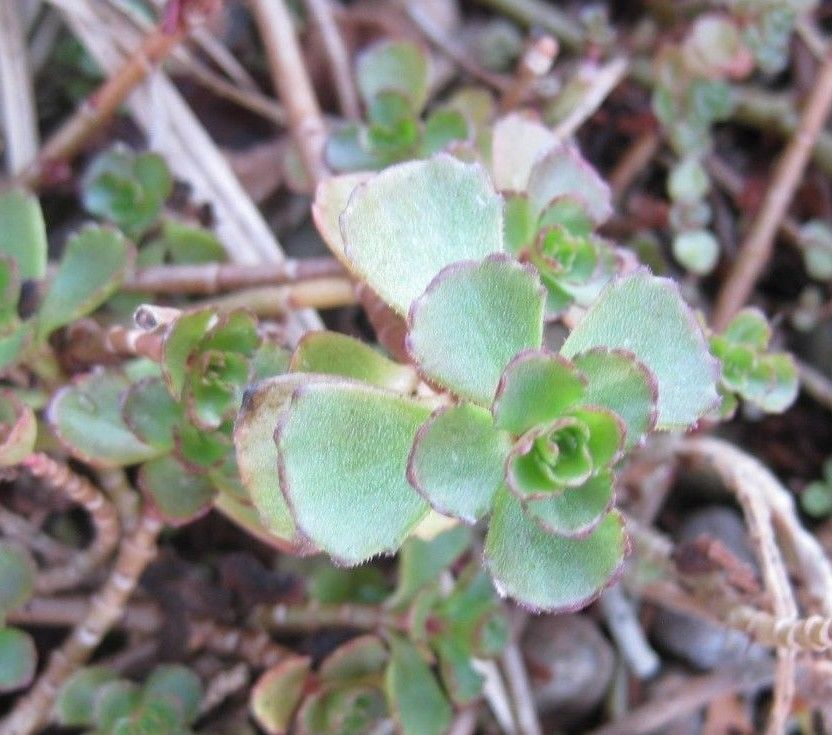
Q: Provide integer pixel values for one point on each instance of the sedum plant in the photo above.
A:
(502, 429)
(96, 699)
(376, 677)
(393, 79)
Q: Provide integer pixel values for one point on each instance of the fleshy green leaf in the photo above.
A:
(410, 221)
(92, 267)
(17, 576)
(257, 454)
(397, 66)
(86, 417)
(518, 142)
(9, 295)
(696, 250)
(113, 701)
(749, 327)
(18, 429)
(23, 233)
(619, 382)
(461, 679)
(331, 353)
(277, 694)
(177, 493)
(76, 698)
(342, 456)
(416, 700)
(361, 658)
(564, 172)
(546, 572)
(786, 384)
(442, 128)
(520, 223)
(150, 413)
(420, 562)
(186, 333)
(18, 658)
(177, 685)
(577, 510)
(646, 316)
(331, 197)
(472, 319)
(535, 388)
(457, 461)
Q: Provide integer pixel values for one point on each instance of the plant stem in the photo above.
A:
(622, 621)
(313, 616)
(278, 301)
(68, 611)
(212, 278)
(104, 517)
(545, 15)
(107, 606)
(756, 249)
(17, 104)
(339, 61)
(293, 85)
(535, 62)
(102, 104)
(517, 681)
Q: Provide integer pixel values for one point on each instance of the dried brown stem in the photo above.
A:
(252, 645)
(520, 691)
(633, 163)
(102, 104)
(339, 61)
(748, 479)
(207, 279)
(16, 95)
(696, 693)
(292, 82)
(313, 616)
(756, 249)
(65, 611)
(102, 512)
(816, 384)
(453, 51)
(535, 62)
(809, 634)
(278, 301)
(107, 606)
(24, 532)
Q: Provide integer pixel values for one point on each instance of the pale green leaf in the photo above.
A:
(472, 320)
(519, 140)
(86, 417)
(277, 693)
(23, 233)
(342, 457)
(177, 493)
(564, 172)
(547, 572)
(177, 685)
(410, 221)
(457, 461)
(17, 576)
(93, 265)
(619, 382)
(76, 698)
(18, 658)
(577, 510)
(394, 66)
(535, 388)
(257, 454)
(331, 197)
(331, 353)
(646, 315)
(418, 704)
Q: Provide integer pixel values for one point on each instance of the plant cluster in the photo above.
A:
(96, 699)
(377, 676)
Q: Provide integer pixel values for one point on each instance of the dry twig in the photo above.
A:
(292, 82)
(102, 512)
(337, 55)
(107, 606)
(757, 246)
